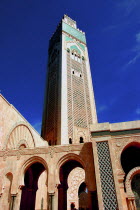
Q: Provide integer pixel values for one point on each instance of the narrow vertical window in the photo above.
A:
(81, 140)
(70, 141)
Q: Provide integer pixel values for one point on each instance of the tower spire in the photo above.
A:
(69, 102)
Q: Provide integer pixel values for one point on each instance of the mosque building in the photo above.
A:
(76, 163)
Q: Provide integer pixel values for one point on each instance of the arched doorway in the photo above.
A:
(68, 202)
(130, 157)
(135, 185)
(83, 196)
(65, 169)
(75, 178)
(130, 161)
(31, 177)
(41, 194)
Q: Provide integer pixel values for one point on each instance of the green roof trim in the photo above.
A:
(114, 133)
(68, 38)
(74, 32)
(82, 46)
(74, 47)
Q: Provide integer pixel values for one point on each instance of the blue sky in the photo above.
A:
(113, 38)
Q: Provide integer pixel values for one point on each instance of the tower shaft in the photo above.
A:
(69, 102)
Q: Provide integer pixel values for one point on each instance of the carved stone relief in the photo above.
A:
(75, 178)
(118, 146)
(20, 135)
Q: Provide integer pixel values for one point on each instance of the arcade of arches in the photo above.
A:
(69, 183)
(42, 184)
(103, 173)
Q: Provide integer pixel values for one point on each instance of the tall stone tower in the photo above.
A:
(69, 107)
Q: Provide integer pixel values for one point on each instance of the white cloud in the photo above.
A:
(137, 46)
(133, 60)
(113, 100)
(37, 126)
(127, 6)
(138, 111)
(138, 37)
(101, 108)
(136, 50)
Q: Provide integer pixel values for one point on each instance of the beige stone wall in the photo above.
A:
(41, 195)
(75, 178)
(10, 119)
(14, 161)
(119, 136)
(79, 90)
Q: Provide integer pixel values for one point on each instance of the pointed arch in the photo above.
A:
(27, 164)
(75, 178)
(129, 178)
(31, 171)
(133, 143)
(75, 48)
(130, 149)
(63, 160)
(70, 40)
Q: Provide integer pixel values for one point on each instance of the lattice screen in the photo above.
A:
(106, 175)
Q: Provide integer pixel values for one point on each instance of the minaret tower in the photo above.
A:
(69, 101)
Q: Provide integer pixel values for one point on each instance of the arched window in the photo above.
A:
(79, 58)
(72, 55)
(76, 56)
(81, 140)
(22, 146)
(72, 206)
(70, 140)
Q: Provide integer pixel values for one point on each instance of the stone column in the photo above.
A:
(93, 202)
(56, 197)
(51, 201)
(28, 198)
(13, 199)
(17, 199)
(131, 204)
(122, 192)
(62, 196)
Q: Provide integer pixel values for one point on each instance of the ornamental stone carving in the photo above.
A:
(20, 135)
(75, 178)
(119, 145)
(129, 178)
